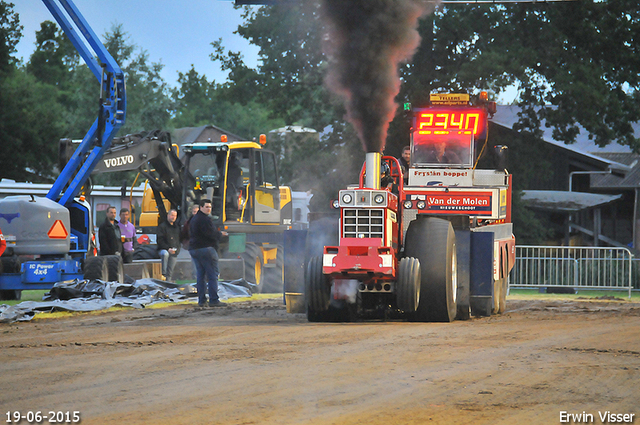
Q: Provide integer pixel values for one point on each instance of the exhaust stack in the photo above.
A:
(372, 178)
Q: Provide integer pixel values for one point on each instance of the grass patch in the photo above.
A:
(589, 294)
(35, 295)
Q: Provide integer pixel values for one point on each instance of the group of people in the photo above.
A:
(199, 235)
(117, 237)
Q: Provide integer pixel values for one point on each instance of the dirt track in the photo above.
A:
(252, 363)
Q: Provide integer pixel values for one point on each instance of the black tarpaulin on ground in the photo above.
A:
(85, 295)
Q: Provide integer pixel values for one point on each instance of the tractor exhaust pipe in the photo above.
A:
(372, 178)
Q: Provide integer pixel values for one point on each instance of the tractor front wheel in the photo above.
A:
(273, 280)
(408, 285)
(317, 291)
(253, 262)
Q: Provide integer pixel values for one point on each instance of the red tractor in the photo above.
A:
(436, 248)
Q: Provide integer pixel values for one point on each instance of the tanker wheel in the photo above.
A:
(95, 268)
(408, 285)
(10, 295)
(115, 269)
(317, 292)
(253, 261)
(433, 242)
(273, 280)
(10, 264)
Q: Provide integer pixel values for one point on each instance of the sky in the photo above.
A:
(173, 32)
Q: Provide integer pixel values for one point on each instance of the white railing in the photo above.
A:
(573, 267)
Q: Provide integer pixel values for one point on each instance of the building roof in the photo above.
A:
(629, 181)
(10, 187)
(192, 134)
(293, 129)
(564, 202)
(507, 115)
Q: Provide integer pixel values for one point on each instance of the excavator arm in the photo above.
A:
(153, 156)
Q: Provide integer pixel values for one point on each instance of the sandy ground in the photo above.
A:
(252, 363)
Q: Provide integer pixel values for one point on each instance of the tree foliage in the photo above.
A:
(289, 83)
(575, 63)
(29, 113)
(56, 96)
(197, 102)
(10, 34)
(30, 123)
(54, 58)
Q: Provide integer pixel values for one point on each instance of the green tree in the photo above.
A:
(30, 123)
(290, 78)
(10, 34)
(29, 112)
(148, 101)
(289, 83)
(575, 63)
(148, 98)
(193, 100)
(54, 57)
(198, 101)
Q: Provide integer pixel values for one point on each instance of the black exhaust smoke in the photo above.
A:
(366, 42)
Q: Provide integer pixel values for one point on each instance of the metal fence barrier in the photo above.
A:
(574, 267)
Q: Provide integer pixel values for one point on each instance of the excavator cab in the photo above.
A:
(240, 178)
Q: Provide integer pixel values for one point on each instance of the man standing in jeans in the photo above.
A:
(203, 245)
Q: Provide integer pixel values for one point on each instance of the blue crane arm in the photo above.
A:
(112, 104)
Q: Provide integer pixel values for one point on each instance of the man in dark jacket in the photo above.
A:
(109, 234)
(203, 244)
(168, 240)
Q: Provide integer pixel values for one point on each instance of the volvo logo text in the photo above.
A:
(116, 162)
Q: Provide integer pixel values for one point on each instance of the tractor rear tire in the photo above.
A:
(95, 268)
(273, 280)
(115, 269)
(253, 261)
(317, 291)
(433, 242)
(408, 285)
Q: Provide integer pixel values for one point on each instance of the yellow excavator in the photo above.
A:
(240, 177)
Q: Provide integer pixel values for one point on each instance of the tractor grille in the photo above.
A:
(408, 215)
(362, 223)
